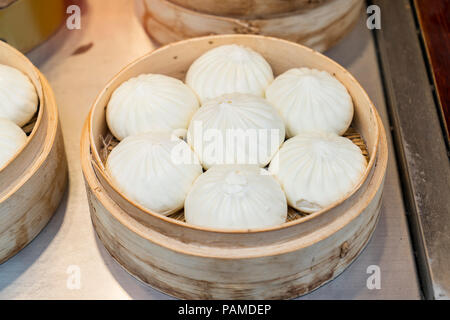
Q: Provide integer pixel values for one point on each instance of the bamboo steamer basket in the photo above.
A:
(25, 24)
(33, 182)
(319, 27)
(192, 262)
(248, 8)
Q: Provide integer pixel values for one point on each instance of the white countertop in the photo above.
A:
(110, 37)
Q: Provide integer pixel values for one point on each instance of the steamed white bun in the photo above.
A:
(311, 100)
(156, 170)
(228, 69)
(316, 169)
(150, 102)
(236, 197)
(18, 97)
(236, 129)
(12, 138)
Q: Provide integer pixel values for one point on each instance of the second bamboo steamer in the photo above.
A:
(33, 182)
(248, 8)
(316, 24)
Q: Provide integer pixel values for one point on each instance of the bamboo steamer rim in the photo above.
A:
(50, 109)
(239, 19)
(299, 7)
(224, 253)
(373, 152)
(50, 138)
(319, 27)
(34, 76)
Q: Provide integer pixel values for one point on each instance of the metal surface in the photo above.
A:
(78, 64)
(420, 144)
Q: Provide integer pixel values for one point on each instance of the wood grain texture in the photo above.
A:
(248, 8)
(319, 27)
(434, 19)
(192, 262)
(33, 184)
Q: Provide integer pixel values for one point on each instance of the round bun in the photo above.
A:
(236, 197)
(236, 129)
(311, 100)
(228, 69)
(150, 102)
(156, 170)
(18, 97)
(317, 169)
(12, 138)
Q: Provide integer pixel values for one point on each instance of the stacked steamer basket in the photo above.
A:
(33, 182)
(197, 262)
(317, 24)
